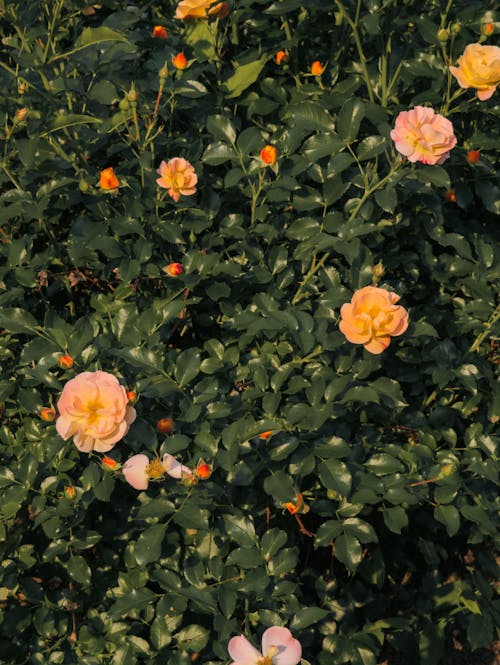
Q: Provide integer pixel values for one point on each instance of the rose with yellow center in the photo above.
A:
(94, 410)
(178, 177)
(199, 9)
(479, 68)
(423, 135)
(278, 648)
(139, 470)
(372, 318)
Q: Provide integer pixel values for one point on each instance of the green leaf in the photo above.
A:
(327, 533)
(349, 119)
(17, 320)
(307, 617)
(348, 551)
(335, 475)
(450, 517)
(221, 128)
(218, 153)
(384, 463)
(371, 147)
(79, 570)
(395, 519)
(137, 599)
(310, 116)
(192, 638)
(187, 366)
(69, 120)
(148, 546)
(243, 77)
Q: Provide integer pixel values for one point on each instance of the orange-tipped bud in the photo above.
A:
(265, 435)
(295, 507)
(65, 361)
(165, 425)
(132, 396)
(487, 29)
(450, 196)
(109, 463)
(203, 471)
(473, 156)
(317, 68)
(108, 180)
(20, 114)
(269, 154)
(69, 492)
(179, 61)
(174, 269)
(48, 414)
(160, 32)
(281, 57)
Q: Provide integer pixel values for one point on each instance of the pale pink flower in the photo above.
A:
(94, 410)
(479, 68)
(178, 177)
(139, 470)
(423, 135)
(278, 648)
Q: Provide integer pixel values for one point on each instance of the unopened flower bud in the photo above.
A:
(450, 196)
(22, 87)
(174, 269)
(487, 29)
(179, 61)
(124, 104)
(265, 435)
(133, 96)
(109, 463)
(269, 155)
(47, 414)
(446, 471)
(132, 396)
(159, 32)
(65, 361)
(378, 271)
(69, 492)
(473, 156)
(203, 471)
(338, 18)
(163, 73)
(317, 68)
(443, 35)
(281, 57)
(20, 114)
(456, 27)
(83, 185)
(165, 425)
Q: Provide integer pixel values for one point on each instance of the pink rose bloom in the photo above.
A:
(139, 470)
(423, 136)
(94, 409)
(372, 318)
(278, 648)
(178, 176)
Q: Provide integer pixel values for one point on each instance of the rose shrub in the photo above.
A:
(311, 483)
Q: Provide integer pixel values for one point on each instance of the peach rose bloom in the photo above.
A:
(94, 410)
(423, 136)
(139, 470)
(479, 67)
(178, 176)
(279, 647)
(372, 318)
(197, 8)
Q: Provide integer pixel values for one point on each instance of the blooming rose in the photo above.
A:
(479, 67)
(198, 8)
(372, 318)
(178, 176)
(94, 410)
(278, 648)
(423, 136)
(108, 180)
(139, 470)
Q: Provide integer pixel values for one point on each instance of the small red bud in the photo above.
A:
(48, 414)
(165, 425)
(65, 361)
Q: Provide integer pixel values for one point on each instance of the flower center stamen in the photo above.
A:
(155, 469)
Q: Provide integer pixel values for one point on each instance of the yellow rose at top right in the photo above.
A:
(479, 67)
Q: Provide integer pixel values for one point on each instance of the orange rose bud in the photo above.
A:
(131, 395)
(487, 29)
(69, 492)
(265, 435)
(160, 32)
(48, 414)
(317, 68)
(20, 114)
(109, 463)
(165, 425)
(295, 507)
(174, 269)
(450, 196)
(203, 471)
(65, 362)
(179, 61)
(281, 57)
(473, 156)
(269, 154)
(108, 180)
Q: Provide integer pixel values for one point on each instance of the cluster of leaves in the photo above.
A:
(395, 456)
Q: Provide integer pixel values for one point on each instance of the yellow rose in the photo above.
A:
(199, 9)
(479, 67)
